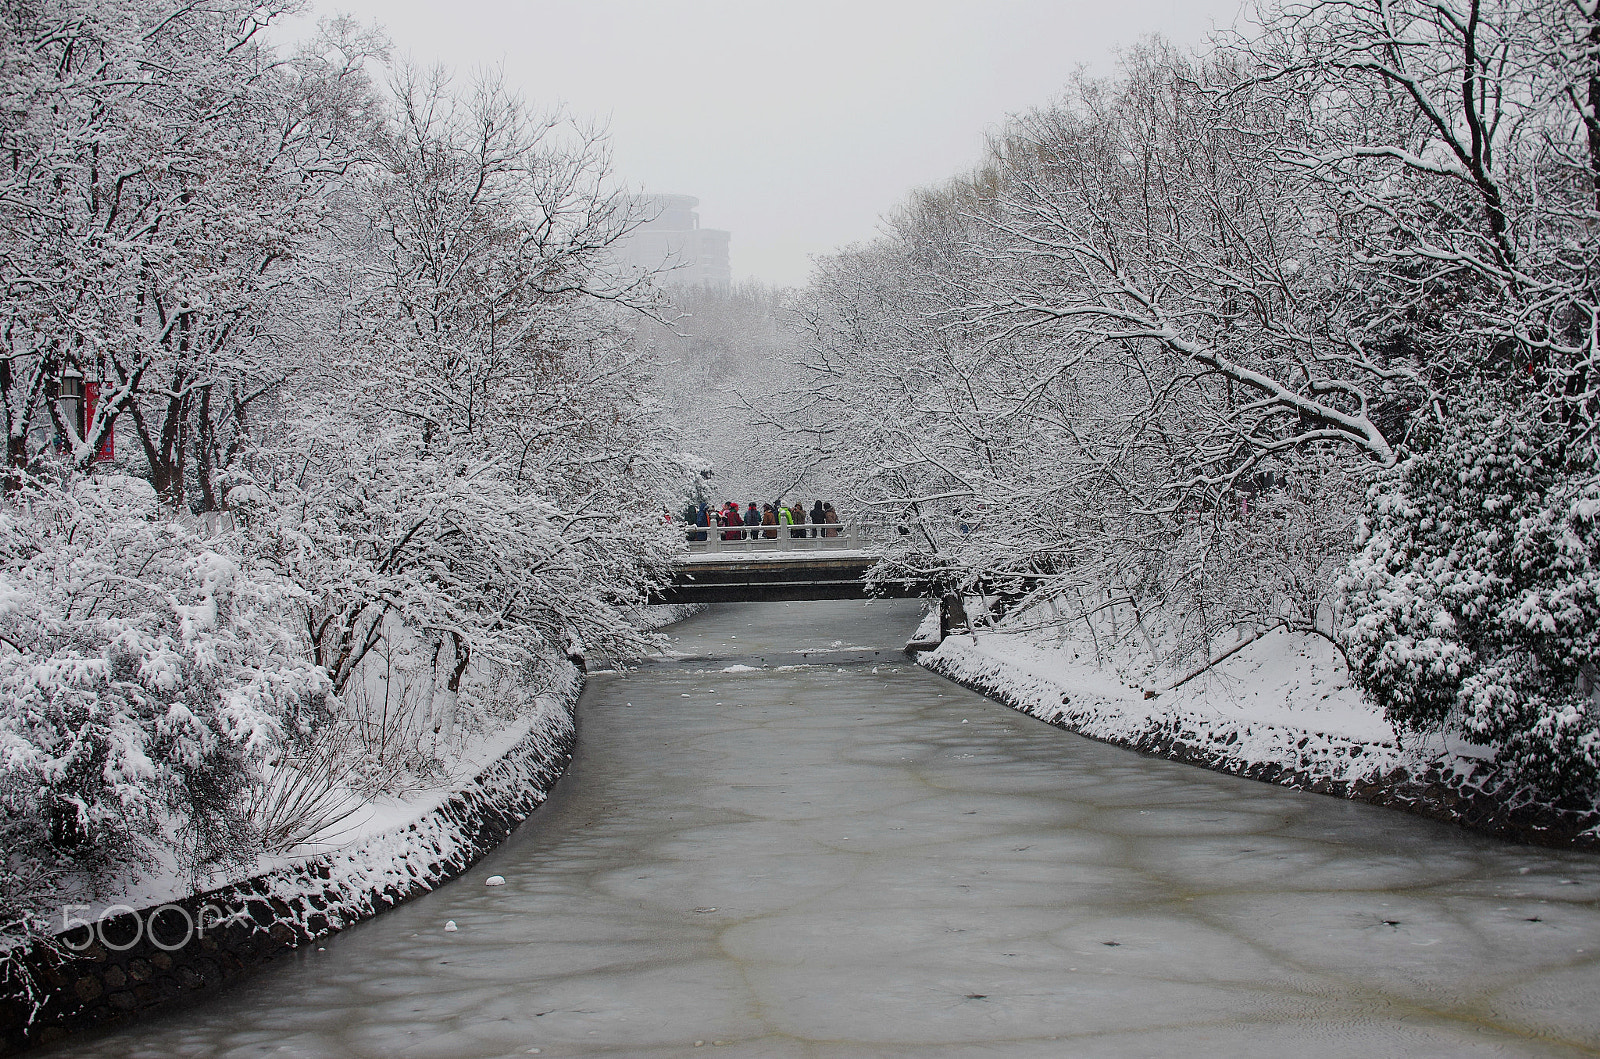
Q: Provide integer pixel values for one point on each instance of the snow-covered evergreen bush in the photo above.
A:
(1475, 597)
(145, 675)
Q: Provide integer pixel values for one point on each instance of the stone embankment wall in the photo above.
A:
(1471, 794)
(123, 967)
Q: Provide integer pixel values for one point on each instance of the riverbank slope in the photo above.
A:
(1281, 710)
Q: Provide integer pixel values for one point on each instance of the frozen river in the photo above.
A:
(855, 858)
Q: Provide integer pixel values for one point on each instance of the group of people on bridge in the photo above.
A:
(733, 524)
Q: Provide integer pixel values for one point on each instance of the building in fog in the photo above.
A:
(671, 237)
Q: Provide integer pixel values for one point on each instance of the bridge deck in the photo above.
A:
(778, 577)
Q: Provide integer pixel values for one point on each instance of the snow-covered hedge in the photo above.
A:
(145, 676)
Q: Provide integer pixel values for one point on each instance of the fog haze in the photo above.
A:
(797, 125)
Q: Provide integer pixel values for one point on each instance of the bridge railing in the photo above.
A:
(828, 536)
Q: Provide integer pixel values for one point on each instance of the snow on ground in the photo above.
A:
(1285, 701)
(1285, 679)
(660, 615)
(1280, 709)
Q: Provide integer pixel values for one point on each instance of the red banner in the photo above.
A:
(91, 394)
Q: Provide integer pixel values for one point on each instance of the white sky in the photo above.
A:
(796, 123)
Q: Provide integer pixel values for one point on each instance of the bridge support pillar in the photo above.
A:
(952, 615)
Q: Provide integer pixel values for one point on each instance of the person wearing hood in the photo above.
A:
(816, 518)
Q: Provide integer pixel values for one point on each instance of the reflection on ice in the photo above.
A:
(831, 864)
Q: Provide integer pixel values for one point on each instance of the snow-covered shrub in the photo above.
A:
(145, 675)
(305, 797)
(1476, 595)
(389, 708)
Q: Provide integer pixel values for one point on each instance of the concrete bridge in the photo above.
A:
(780, 564)
(777, 577)
(758, 576)
(788, 564)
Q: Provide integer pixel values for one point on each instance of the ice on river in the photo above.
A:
(825, 861)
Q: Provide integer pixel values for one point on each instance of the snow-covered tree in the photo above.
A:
(1013, 443)
(1471, 212)
(1159, 344)
(725, 358)
(164, 171)
(385, 336)
(493, 494)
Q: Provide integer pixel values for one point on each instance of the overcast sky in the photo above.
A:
(798, 123)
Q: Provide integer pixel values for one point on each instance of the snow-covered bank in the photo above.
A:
(118, 967)
(1281, 711)
(370, 819)
(660, 615)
